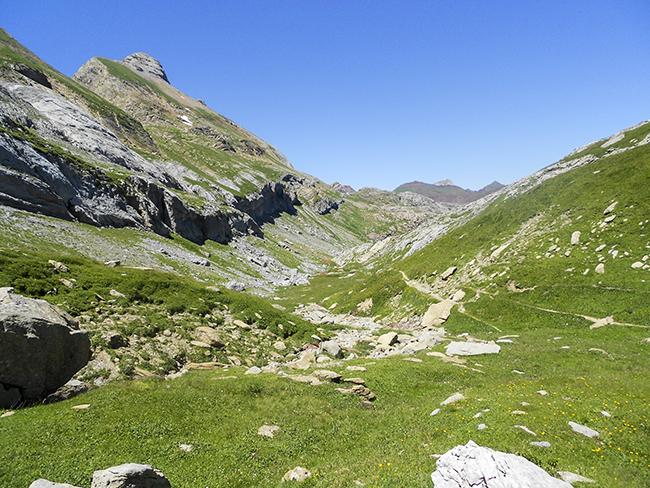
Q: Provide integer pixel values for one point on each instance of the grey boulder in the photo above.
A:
(41, 348)
(331, 348)
(71, 389)
(473, 466)
(43, 483)
(130, 475)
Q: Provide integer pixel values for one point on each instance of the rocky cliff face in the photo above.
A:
(47, 153)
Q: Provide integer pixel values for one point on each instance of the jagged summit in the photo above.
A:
(147, 65)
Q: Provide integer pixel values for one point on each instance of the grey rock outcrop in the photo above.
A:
(130, 475)
(271, 200)
(325, 205)
(68, 183)
(32, 73)
(41, 348)
(145, 65)
(473, 466)
(236, 286)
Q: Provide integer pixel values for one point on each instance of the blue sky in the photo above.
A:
(379, 93)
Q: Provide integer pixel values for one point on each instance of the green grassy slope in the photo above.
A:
(520, 247)
(547, 216)
(339, 440)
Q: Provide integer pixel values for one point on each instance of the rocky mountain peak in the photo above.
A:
(142, 63)
(444, 183)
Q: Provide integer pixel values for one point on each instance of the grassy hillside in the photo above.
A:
(342, 442)
(520, 247)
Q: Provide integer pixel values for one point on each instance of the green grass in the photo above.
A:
(120, 71)
(32, 275)
(338, 439)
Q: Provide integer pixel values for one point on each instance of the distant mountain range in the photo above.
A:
(446, 191)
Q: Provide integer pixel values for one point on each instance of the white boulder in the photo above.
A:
(473, 466)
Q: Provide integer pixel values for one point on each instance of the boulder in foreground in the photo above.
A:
(41, 348)
(473, 466)
(130, 475)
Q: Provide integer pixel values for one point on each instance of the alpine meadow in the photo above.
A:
(244, 318)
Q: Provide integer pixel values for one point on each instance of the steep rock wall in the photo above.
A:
(40, 173)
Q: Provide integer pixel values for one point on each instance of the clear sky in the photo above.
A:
(379, 93)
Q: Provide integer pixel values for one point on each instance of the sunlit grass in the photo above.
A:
(338, 439)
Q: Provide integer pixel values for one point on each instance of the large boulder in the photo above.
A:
(41, 348)
(130, 475)
(325, 205)
(473, 466)
(437, 314)
(331, 348)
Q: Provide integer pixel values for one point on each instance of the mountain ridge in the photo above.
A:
(446, 191)
(200, 176)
